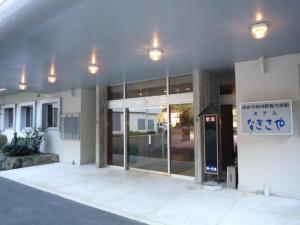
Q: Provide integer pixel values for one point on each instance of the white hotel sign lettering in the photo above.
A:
(267, 117)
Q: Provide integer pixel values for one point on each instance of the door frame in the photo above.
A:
(144, 102)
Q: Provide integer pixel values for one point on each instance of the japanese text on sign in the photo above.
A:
(271, 117)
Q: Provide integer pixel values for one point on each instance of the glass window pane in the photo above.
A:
(151, 125)
(141, 124)
(28, 116)
(146, 88)
(182, 139)
(181, 84)
(115, 92)
(115, 154)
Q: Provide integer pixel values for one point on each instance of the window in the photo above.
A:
(115, 92)
(116, 118)
(146, 88)
(26, 117)
(141, 124)
(9, 118)
(151, 125)
(50, 113)
(181, 84)
(70, 127)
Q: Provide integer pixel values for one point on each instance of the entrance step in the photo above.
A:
(212, 186)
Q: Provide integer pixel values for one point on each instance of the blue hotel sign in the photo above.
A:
(267, 117)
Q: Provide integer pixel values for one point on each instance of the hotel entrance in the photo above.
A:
(153, 133)
(148, 138)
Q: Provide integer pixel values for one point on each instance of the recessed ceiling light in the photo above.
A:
(259, 30)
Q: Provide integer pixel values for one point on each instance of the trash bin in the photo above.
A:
(232, 177)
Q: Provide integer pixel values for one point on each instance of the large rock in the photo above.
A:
(31, 160)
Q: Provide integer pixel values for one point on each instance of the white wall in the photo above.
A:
(71, 102)
(270, 160)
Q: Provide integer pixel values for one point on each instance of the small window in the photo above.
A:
(8, 118)
(26, 117)
(70, 127)
(117, 121)
(50, 115)
(151, 125)
(115, 92)
(141, 124)
(146, 88)
(181, 84)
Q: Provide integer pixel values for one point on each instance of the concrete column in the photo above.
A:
(101, 126)
(206, 91)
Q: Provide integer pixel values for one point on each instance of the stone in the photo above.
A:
(30, 160)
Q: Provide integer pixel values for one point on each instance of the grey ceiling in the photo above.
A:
(208, 34)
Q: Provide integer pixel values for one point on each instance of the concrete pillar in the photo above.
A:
(206, 91)
(101, 126)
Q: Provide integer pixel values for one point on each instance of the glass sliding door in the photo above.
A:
(147, 138)
(115, 155)
(182, 139)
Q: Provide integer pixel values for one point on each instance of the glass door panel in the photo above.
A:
(115, 155)
(182, 139)
(147, 138)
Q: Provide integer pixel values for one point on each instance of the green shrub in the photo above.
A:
(34, 139)
(3, 140)
(17, 150)
(20, 141)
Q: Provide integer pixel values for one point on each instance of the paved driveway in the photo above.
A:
(23, 205)
(149, 198)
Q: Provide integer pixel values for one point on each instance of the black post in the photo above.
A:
(15, 138)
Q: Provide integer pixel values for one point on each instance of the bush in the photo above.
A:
(3, 140)
(34, 139)
(20, 141)
(17, 150)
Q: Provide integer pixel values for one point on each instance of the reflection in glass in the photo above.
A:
(146, 88)
(181, 84)
(115, 92)
(182, 139)
(115, 154)
(147, 138)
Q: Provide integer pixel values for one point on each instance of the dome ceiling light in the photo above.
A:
(52, 77)
(259, 30)
(93, 66)
(155, 54)
(22, 83)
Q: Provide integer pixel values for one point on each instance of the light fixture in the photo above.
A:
(259, 30)
(155, 54)
(52, 77)
(93, 66)
(23, 84)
